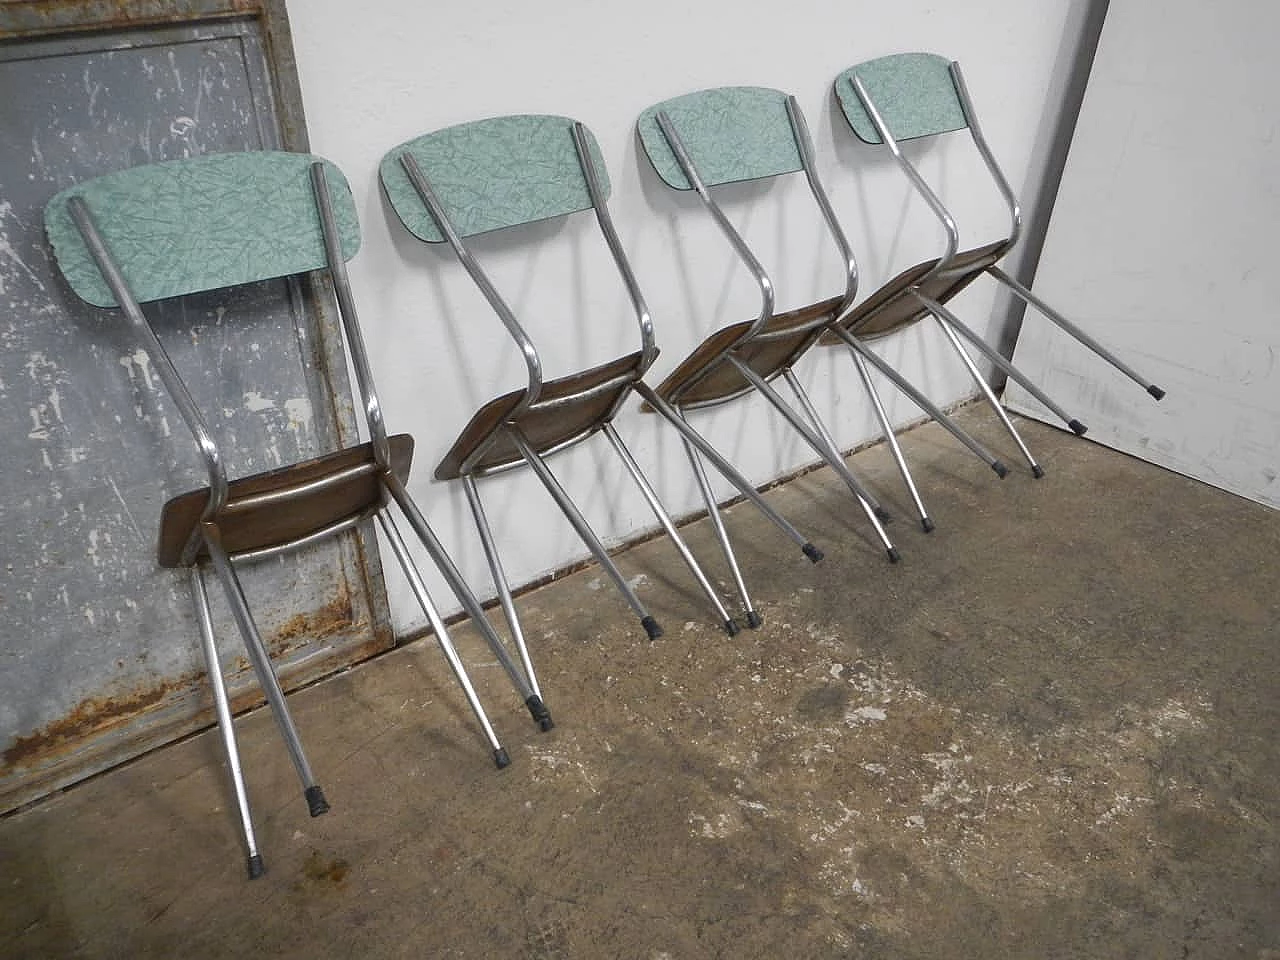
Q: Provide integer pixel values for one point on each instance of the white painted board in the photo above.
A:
(1162, 245)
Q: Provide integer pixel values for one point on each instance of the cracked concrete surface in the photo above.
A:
(1049, 732)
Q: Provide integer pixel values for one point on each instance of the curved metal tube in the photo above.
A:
(804, 143)
(739, 245)
(648, 345)
(979, 141)
(164, 366)
(917, 181)
(504, 312)
(347, 308)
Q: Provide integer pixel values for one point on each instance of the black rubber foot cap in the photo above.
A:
(256, 867)
(1001, 470)
(883, 515)
(1078, 428)
(926, 524)
(731, 627)
(316, 803)
(651, 628)
(812, 552)
(501, 758)
(1037, 471)
(1155, 392)
(894, 555)
(754, 620)
(541, 715)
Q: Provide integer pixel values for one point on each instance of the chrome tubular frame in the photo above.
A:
(754, 267)
(582, 528)
(226, 727)
(470, 264)
(664, 518)
(1075, 331)
(947, 318)
(401, 550)
(173, 382)
(347, 308)
(980, 141)
(990, 395)
(260, 659)
(916, 180)
(804, 143)
(449, 571)
(649, 347)
(895, 448)
(920, 400)
(500, 581)
(828, 454)
(673, 416)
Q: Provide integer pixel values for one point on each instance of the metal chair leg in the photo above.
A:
(754, 619)
(926, 522)
(664, 518)
(419, 589)
(583, 529)
(222, 707)
(449, 570)
(727, 470)
(831, 457)
(262, 666)
(503, 586)
(920, 400)
(810, 411)
(1075, 331)
(992, 400)
(950, 319)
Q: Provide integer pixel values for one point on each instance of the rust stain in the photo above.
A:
(28, 18)
(319, 871)
(90, 717)
(334, 617)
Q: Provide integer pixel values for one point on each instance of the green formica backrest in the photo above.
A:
(494, 173)
(189, 225)
(914, 93)
(730, 133)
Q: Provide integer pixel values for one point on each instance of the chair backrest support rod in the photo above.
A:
(472, 266)
(648, 345)
(980, 141)
(735, 238)
(173, 382)
(347, 307)
(804, 142)
(913, 175)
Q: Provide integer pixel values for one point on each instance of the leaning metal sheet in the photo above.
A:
(99, 648)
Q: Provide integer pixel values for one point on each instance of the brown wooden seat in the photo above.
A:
(317, 493)
(891, 308)
(706, 377)
(568, 409)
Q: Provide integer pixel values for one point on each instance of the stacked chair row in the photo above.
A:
(171, 229)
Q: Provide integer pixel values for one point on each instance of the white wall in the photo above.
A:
(378, 74)
(1163, 240)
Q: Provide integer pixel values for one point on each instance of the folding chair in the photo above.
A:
(909, 96)
(727, 135)
(170, 229)
(492, 174)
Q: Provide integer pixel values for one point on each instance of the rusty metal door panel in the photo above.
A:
(98, 649)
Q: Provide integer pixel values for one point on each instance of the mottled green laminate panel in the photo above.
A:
(914, 93)
(201, 224)
(730, 133)
(494, 173)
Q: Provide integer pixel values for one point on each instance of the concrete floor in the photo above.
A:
(1051, 731)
